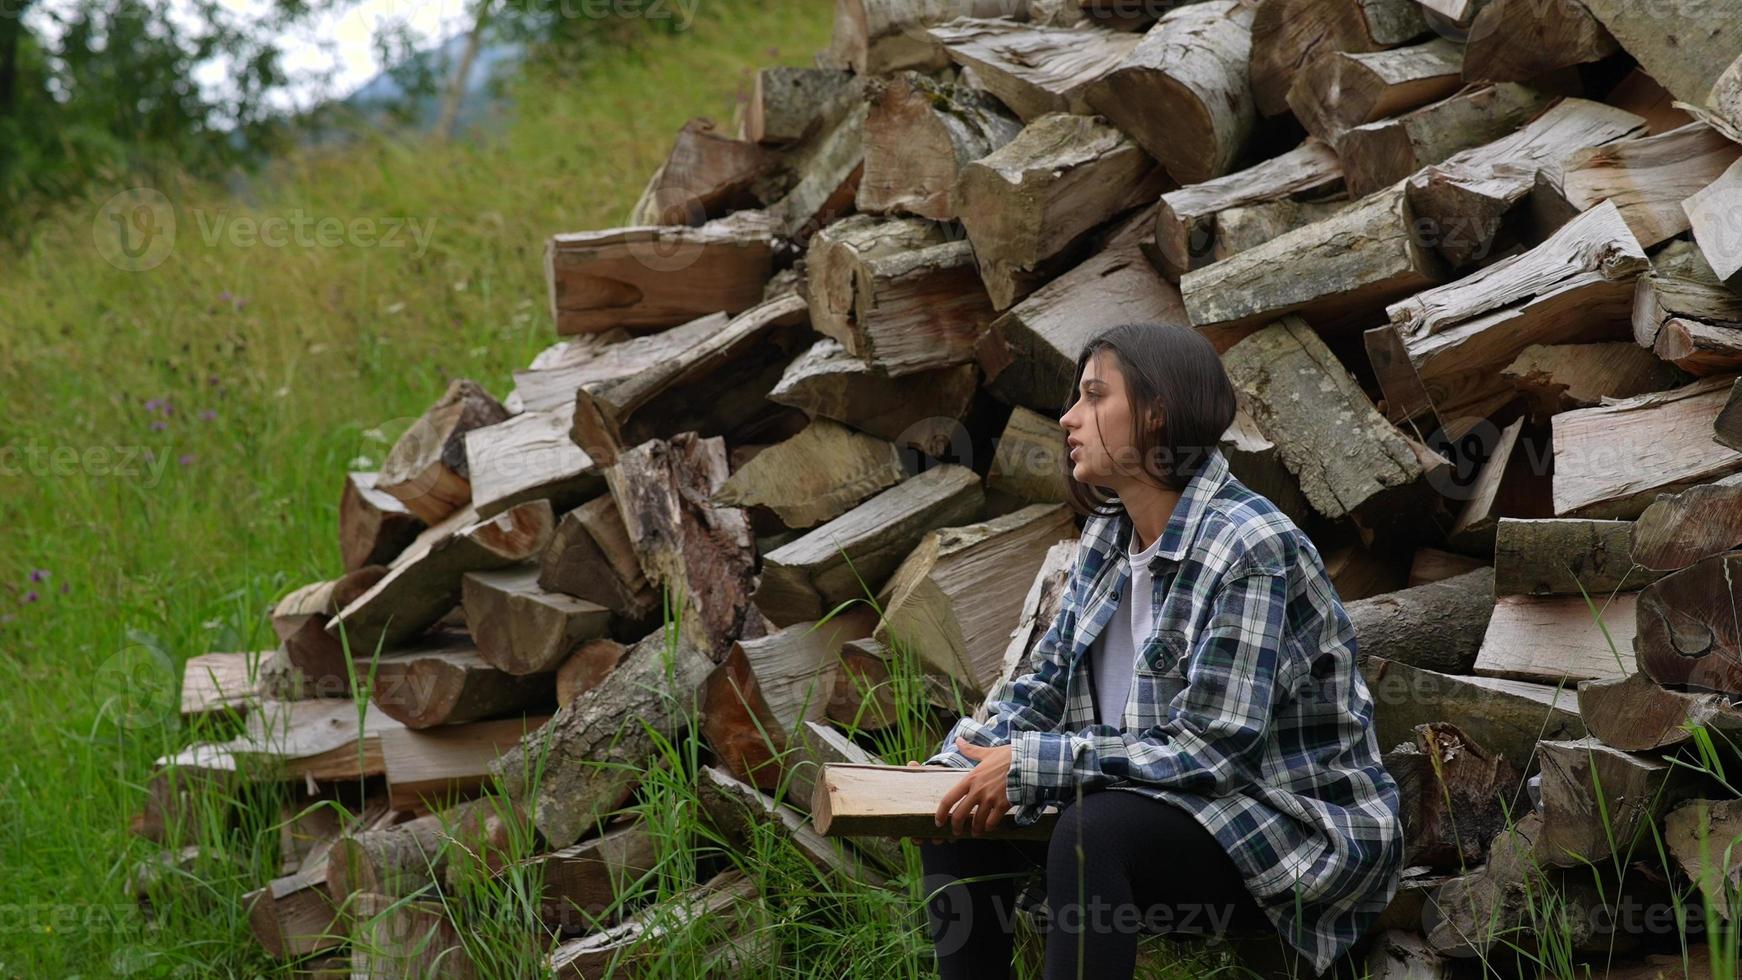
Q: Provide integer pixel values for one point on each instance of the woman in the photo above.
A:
(1194, 710)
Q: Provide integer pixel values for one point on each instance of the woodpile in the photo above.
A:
(791, 476)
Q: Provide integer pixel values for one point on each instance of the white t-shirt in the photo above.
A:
(1114, 652)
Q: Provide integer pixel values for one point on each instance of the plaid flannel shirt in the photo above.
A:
(1246, 710)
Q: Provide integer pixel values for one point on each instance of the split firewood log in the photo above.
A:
(220, 683)
(1039, 608)
(522, 629)
(1289, 35)
(1517, 40)
(1507, 485)
(1381, 153)
(1727, 427)
(293, 915)
(1182, 93)
(897, 801)
(852, 555)
(315, 739)
(445, 682)
(735, 808)
(1566, 557)
(1637, 714)
(1289, 382)
(1599, 801)
(587, 668)
(818, 745)
(426, 470)
(1437, 626)
(711, 380)
(726, 903)
(622, 277)
(583, 885)
(1257, 462)
(1029, 355)
(1506, 716)
(819, 177)
(300, 620)
(707, 174)
(1342, 272)
(1034, 68)
(1559, 639)
(591, 558)
(919, 134)
(1555, 378)
(921, 410)
(1459, 202)
(527, 457)
(1701, 835)
(877, 37)
(426, 584)
(393, 939)
(814, 477)
(1678, 529)
(1187, 222)
(952, 599)
(1029, 205)
(1610, 461)
(1649, 178)
(1576, 286)
(401, 859)
(1345, 89)
(1688, 631)
(1684, 44)
(1029, 463)
(702, 555)
(437, 767)
(760, 696)
(584, 763)
(1456, 795)
(1711, 211)
(1249, 226)
(373, 525)
(787, 104)
(876, 689)
(550, 381)
(1722, 109)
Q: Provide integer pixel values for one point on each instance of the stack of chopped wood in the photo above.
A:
(1473, 268)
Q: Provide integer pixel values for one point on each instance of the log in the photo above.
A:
(1455, 339)
(851, 556)
(787, 104)
(1378, 154)
(590, 557)
(587, 668)
(373, 525)
(952, 599)
(1684, 44)
(1565, 556)
(1289, 35)
(550, 381)
(528, 457)
(1637, 714)
(1188, 220)
(1182, 93)
(1679, 529)
(1345, 89)
(437, 767)
(1711, 211)
(1517, 40)
(1555, 378)
(1029, 463)
(1559, 639)
(1289, 382)
(1035, 69)
(1437, 626)
(1599, 801)
(1029, 355)
(1039, 608)
(1701, 836)
(1727, 427)
(401, 860)
(293, 915)
(522, 629)
(818, 745)
(1459, 202)
(1610, 461)
(622, 277)
(584, 884)
(708, 174)
(1257, 462)
(1688, 631)
(917, 410)
(1648, 179)
(583, 764)
(1029, 205)
(420, 590)
(1506, 716)
(446, 682)
(876, 37)
(1343, 271)
(1506, 486)
(876, 690)
(718, 903)
(736, 808)
(827, 167)
(1238, 229)
(393, 939)
(815, 476)
(310, 661)
(701, 554)
(919, 134)
(426, 470)
(898, 801)
(711, 380)
(1455, 795)
(219, 684)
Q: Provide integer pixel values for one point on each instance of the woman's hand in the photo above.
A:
(979, 801)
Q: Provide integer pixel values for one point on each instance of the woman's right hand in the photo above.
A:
(935, 840)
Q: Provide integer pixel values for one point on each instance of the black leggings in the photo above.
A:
(1146, 866)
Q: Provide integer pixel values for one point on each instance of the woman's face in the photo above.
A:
(1098, 426)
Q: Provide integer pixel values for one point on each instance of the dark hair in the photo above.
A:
(1173, 367)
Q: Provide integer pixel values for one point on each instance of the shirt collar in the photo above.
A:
(1188, 513)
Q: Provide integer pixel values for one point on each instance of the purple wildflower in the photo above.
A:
(185, 458)
(31, 596)
(208, 415)
(159, 425)
(38, 574)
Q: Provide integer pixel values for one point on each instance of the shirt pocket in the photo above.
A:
(1160, 675)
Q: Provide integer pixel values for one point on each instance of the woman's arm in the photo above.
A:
(1034, 701)
(1214, 732)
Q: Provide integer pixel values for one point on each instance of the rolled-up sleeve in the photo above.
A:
(1213, 737)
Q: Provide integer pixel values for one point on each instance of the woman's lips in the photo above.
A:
(1076, 450)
